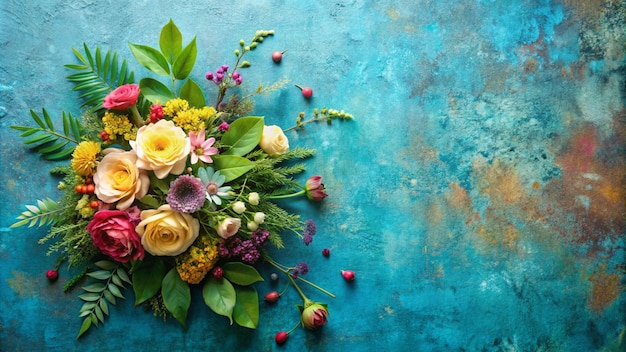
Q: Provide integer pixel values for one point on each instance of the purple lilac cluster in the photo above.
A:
(301, 269)
(309, 230)
(220, 74)
(248, 250)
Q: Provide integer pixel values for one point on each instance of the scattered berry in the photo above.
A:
(274, 277)
(277, 56)
(90, 188)
(271, 297)
(218, 272)
(307, 92)
(281, 337)
(104, 136)
(348, 275)
(52, 275)
(94, 204)
(326, 252)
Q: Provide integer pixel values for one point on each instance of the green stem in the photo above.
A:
(286, 272)
(316, 286)
(288, 195)
(313, 119)
(136, 118)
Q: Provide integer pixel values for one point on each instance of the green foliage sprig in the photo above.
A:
(323, 114)
(46, 212)
(112, 277)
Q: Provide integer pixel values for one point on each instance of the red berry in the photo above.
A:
(218, 272)
(94, 204)
(52, 275)
(281, 337)
(80, 189)
(90, 188)
(277, 56)
(307, 92)
(348, 275)
(104, 136)
(326, 252)
(272, 297)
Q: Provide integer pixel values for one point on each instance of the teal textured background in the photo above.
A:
(478, 194)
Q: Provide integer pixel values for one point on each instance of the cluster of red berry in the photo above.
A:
(88, 188)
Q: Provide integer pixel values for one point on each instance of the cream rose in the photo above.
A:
(273, 141)
(166, 232)
(228, 227)
(161, 147)
(117, 178)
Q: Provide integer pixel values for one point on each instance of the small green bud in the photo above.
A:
(247, 48)
(242, 43)
(253, 45)
(237, 52)
(259, 39)
(301, 114)
(316, 112)
(244, 64)
(270, 32)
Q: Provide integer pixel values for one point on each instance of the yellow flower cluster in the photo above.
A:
(189, 119)
(119, 125)
(197, 261)
(84, 158)
(83, 208)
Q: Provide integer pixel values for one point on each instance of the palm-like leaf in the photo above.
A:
(47, 211)
(98, 76)
(52, 144)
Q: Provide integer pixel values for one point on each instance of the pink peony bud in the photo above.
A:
(315, 189)
(314, 316)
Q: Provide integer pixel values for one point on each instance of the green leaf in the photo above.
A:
(109, 297)
(171, 41)
(232, 166)
(246, 311)
(47, 211)
(192, 92)
(151, 59)
(100, 274)
(150, 201)
(90, 297)
(105, 265)
(147, 278)
(243, 135)
(241, 274)
(220, 296)
(154, 90)
(86, 325)
(181, 68)
(115, 290)
(95, 287)
(176, 296)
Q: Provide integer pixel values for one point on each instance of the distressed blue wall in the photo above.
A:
(479, 194)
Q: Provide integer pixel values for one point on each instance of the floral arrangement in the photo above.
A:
(164, 192)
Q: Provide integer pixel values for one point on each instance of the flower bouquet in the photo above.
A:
(164, 192)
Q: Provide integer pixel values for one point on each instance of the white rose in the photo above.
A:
(228, 227)
(273, 141)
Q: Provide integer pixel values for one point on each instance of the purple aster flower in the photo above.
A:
(186, 194)
(301, 269)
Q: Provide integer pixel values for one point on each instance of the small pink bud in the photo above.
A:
(52, 275)
(271, 297)
(326, 252)
(281, 337)
(348, 275)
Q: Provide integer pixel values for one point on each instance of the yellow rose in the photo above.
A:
(273, 141)
(161, 147)
(117, 178)
(166, 232)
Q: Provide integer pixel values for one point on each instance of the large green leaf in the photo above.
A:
(171, 41)
(220, 296)
(241, 274)
(154, 90)
(147, 278)
(150, 58)
(243, 135)
(192, 92)
(181, 68)
(246, 311)
(232, 166)
(176, 296)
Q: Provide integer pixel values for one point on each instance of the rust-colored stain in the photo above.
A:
(499, 182)
(22, 284)
(605, 289)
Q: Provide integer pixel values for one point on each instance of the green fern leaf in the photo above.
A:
(98, 75)
(46, 140)
(47, 211)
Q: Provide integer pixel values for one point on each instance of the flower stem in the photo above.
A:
(286, 272)
(316, 286)
(136, 118)
(288, 195)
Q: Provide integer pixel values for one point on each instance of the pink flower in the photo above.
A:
(122, 98)
(315, 189)
(314, 316)
(200, 148)
(223, 127)
(113, 233)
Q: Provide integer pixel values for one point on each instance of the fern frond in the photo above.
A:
(52, 144)
(46, 212)
(97, 76)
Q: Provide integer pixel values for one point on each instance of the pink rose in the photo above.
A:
(113, 233)
(315, 189)
(122, 98)
(314, 316)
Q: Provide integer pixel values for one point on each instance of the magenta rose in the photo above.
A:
(122, 98)
(113, 233)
